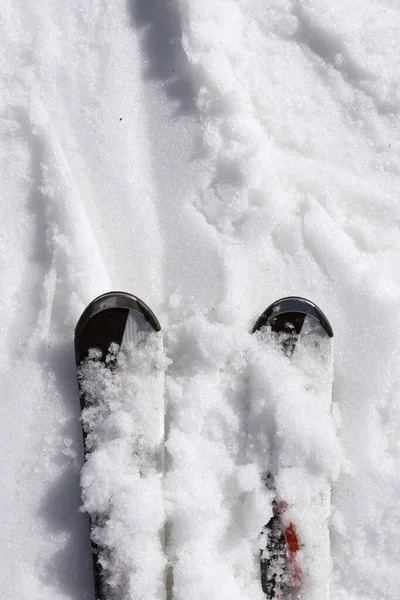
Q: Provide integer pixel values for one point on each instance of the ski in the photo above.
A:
(120, 389)
(304, 335)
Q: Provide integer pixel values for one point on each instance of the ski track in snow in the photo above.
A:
(209, 157)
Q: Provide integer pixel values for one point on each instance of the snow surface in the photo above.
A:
(209, 157)
(122, 487)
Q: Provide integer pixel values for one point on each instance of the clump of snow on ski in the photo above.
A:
(238, 409)
(292, 436)
(123, 422)
(216, 501)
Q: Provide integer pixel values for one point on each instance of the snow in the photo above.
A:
(209, 157)
(122, 477)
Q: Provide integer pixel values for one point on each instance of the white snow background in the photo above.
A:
(209, 157)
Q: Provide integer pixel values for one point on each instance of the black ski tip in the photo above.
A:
(104, 320)
(116, 300)
(292, 310)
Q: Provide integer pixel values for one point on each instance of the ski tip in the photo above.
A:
(113, 300)
(294, 308)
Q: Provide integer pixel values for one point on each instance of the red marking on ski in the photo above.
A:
(292, 540)
(293, 546)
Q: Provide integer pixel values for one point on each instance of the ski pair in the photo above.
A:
(116, 321)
